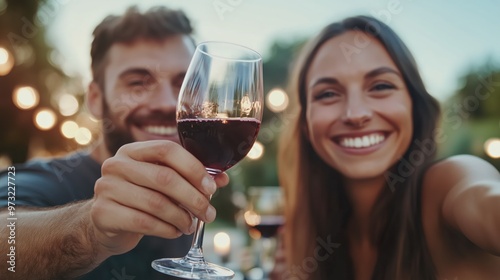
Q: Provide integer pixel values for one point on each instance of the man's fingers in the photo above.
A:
(125, 219)
(221, 179)
(163, 180)
(175, 156)
(150, 202)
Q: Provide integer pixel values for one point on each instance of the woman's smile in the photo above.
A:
(360, 140)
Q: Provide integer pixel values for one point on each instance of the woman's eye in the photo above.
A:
(382, 87)
(326, 94)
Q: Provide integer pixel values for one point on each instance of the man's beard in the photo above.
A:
(114, 135)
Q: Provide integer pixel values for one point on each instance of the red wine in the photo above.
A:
(269, 225)
(218, 143)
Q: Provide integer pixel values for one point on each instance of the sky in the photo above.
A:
(447, 37)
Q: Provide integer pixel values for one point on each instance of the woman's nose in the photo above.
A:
(357, 113)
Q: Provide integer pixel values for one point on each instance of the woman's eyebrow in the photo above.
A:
(381, 70)
(324, 80)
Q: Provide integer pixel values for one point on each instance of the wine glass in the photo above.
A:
(219, 112)
(264, 216)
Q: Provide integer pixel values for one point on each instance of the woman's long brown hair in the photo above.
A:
(318, 209)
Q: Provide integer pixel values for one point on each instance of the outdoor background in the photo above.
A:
(45, 69)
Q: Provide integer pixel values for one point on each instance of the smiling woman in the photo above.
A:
(344, 95)
(361, 115)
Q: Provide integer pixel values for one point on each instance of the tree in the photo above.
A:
(480, 92)
(471, 116)
(23, 35)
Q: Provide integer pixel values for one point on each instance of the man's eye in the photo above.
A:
(136, 83)
(146, 83)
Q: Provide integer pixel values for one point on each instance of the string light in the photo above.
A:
(69, 129)
(256, 151)
(68, 105)
(277, 100)
(6, 61)
(83, 136)
(45, 119)
(25, 97)
(4, 55)
(492, 147)
(222, 243)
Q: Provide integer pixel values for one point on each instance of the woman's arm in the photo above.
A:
(472, 202)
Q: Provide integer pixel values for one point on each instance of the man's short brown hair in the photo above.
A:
(158, 23)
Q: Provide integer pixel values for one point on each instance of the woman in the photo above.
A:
(365, 198)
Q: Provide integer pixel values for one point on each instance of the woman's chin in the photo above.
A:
(363, 173)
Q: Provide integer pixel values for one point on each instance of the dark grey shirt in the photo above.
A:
(47, 183)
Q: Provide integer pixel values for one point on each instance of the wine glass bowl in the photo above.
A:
(218, 143)
(264, 216)
(265, 210)
(219, 112)
(220, 107)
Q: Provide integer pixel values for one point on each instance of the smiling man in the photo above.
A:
(136, 86)
(107, 213)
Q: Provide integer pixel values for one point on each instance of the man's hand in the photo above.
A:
(150, 188)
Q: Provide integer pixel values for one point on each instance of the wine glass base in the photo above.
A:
(189, 269)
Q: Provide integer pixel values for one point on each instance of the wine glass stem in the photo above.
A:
(196, 251)
(195, 254)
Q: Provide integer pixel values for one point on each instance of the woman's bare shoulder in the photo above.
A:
(453, 252)
(447, 173)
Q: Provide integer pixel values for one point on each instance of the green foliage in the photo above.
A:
(479, 94)
(277, 66)
(472, 115)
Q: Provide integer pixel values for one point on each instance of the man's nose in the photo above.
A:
(164, 97)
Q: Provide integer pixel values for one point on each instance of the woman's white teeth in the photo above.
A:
(362, 142)
(161, 130)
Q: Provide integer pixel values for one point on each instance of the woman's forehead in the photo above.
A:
(351, 53)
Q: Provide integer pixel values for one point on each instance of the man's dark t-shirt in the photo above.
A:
(48, 183)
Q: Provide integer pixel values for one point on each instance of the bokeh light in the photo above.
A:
(251, 218)
(6, 61)
(25, 55)
(256, 151)
(69, 129)
(45, 119)
(83, 136)
(25, 97)
(68, 105)
(492, 147)
(4, 55)
(222, 243)
(277, 100)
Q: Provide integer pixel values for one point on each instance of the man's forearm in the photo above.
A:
(55, 243)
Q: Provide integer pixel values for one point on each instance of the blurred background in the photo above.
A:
(45, 69)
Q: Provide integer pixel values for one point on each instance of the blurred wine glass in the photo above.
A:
(264, 216)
